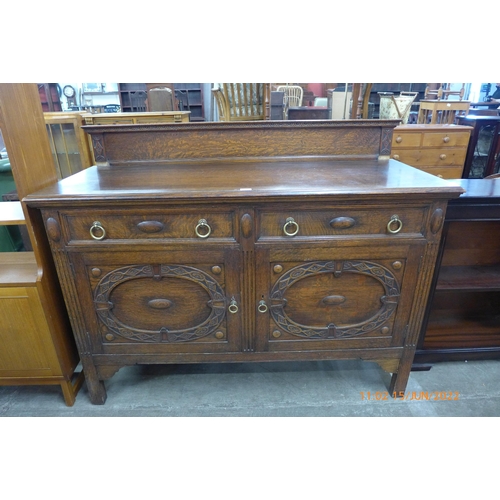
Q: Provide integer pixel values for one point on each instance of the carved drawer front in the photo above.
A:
(105, 226)
(347, 299)
(341, 222)
(192, 306)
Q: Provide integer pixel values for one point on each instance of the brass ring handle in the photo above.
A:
(294, 227)
(395, 220)
(96, 226)
(262, 307)
(202, 223)
(233, 306)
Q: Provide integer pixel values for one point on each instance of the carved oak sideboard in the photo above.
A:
(238, 242)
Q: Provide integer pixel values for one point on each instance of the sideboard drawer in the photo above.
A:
(340, 222)
(103, 226)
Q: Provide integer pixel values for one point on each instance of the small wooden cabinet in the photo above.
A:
(437, 149)
(36, 342)
(32, 350)
(245, 241)
(463, 315)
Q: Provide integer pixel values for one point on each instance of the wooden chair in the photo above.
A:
(293, 95)
(138, 101)
(241, 101)
(436, 111)
(443, 92)
(160, 99)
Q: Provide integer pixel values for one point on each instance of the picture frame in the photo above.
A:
(92, 87)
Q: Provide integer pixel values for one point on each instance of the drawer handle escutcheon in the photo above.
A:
(96, 226)
(395, 220)
(233, 306)
(206, 229)
(291, 228)
(262, 307)
(342, 223)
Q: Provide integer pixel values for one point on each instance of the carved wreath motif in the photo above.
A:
(119, 276)
(383, 275)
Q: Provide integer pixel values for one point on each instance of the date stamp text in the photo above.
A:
(411, 396)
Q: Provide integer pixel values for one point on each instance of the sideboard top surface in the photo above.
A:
(253, 180)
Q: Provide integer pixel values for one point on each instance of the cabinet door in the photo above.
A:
(150, 302)
(334, 298)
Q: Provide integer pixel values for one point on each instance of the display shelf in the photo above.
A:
(468, 333)
(474, 278)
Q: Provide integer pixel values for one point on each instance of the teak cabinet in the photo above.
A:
(437, 149)
(242, 242)
(36, 342)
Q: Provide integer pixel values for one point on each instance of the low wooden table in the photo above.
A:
(245, 241)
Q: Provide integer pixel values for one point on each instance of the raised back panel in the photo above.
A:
(330, 139)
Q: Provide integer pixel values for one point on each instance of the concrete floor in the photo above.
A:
(305, 389)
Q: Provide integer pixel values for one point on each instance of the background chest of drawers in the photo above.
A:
(437, 149)
(264, 247)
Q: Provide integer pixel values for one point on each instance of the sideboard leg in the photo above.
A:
(399, 380)
(96, 388)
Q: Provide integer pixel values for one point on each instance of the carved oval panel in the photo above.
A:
(53, 229)
(150, 226)
(342, 222)
(437, 220)
(162, 303)
(369, 294)
(246, 225)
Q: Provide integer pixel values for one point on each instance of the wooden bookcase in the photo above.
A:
(192, 94)
(462, 319)
(36, 342)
